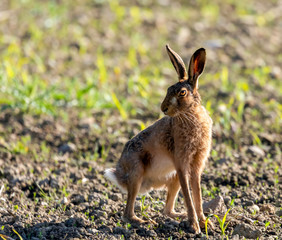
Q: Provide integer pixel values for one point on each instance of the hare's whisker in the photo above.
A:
(195, 120)
(189, 119)
(186, 119)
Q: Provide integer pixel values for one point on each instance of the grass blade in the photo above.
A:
(206, 225)
(3, 237)
(119, 106)
(17, 234)
(224, 218)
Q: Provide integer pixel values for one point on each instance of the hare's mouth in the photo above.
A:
(170, 113)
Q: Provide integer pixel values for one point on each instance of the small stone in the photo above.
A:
(254, 209)
(152, 233)
(84, 180)
(234, 194)
(85, 164)
(216, 205)
(235, 237)
(77, 199)
(250, 178)
(78, 222)
(248, 203)
(100, 213)
(227, 200)
(279, 213)
(54, 183)
(137, 207)
(64, 201)
(224, 190)
(247, 231)
(67, 148)
(168, 227)
(218, 180)
(44, 183)
(92, 230)
(69, 213)
(255, 150)
(268, 208)
(116, 196)
(6, 156)
(120, 230)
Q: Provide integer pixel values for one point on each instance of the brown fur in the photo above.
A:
(172, 152)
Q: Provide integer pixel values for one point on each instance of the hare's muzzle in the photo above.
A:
(164, 107)
(165, 111)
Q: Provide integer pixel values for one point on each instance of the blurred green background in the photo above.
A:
(84, 57)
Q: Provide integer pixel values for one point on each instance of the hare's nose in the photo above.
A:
(165, 110)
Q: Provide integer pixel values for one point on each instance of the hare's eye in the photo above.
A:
(182, 93)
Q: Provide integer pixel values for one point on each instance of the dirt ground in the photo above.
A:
(51, 167)
(62, 194)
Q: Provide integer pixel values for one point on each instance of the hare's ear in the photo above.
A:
(196, 67)
(178, 64)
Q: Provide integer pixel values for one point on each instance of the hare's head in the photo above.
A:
(182, 95)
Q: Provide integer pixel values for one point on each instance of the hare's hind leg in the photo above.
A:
(133, 186)
(173, 187)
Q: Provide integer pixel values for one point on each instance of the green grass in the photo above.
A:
(39, 72)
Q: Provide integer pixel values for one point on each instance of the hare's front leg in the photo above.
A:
(192, 216)
(195, 181)
(173, 187)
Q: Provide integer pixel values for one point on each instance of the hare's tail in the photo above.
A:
(110, 174)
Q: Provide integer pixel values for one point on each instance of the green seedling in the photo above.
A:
(119, 106)
(232, 202)
(255, 137)
(143, 207)
(17, 234)
(221, 222)
(3, 237)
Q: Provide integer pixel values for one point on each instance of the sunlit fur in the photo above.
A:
(170, 153)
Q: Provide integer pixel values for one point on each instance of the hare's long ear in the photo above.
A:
(196, 67)
(178, 64)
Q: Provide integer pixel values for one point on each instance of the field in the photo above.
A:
(78, 79)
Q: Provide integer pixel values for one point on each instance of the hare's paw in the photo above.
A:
(202, 223)
(173, 214)
(151, 221)
(193, 226)
(136, 220)
(133, 219)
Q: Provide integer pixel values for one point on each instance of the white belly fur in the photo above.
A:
(160, 170)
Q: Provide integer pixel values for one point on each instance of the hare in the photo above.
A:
(172, 152)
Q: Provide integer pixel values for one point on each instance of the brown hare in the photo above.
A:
(172, 152)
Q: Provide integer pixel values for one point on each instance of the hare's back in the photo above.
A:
(156, 135)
